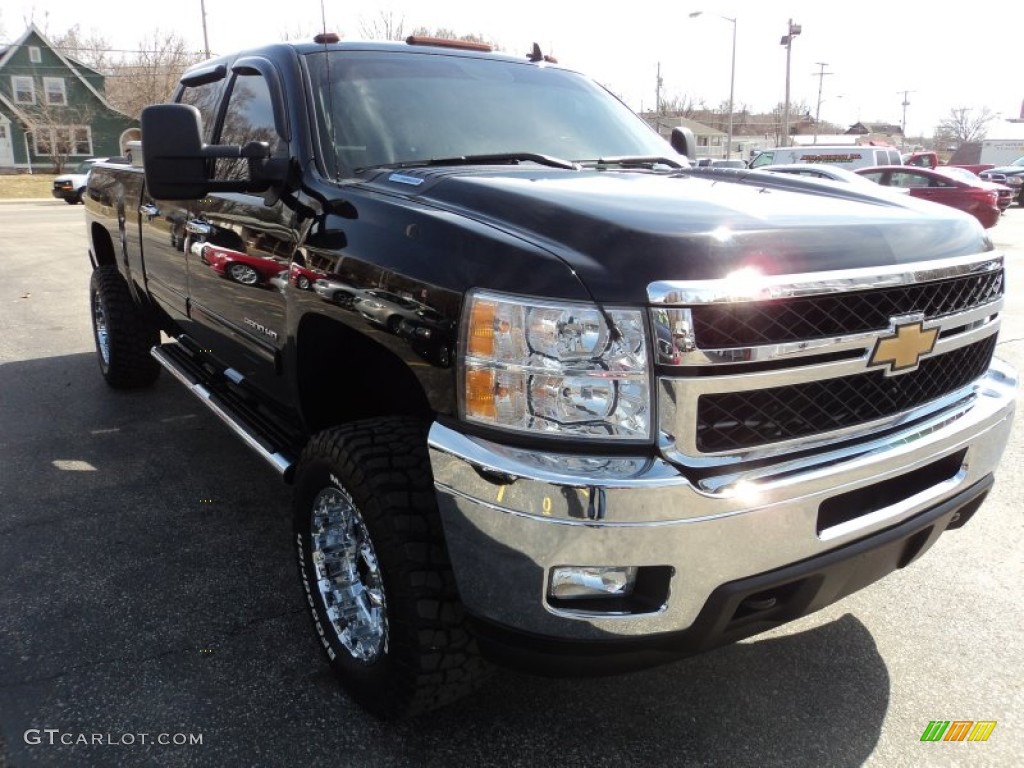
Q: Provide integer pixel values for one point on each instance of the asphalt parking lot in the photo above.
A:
(148, 590)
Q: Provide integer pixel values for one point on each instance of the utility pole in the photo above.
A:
(787, 40)
(206, 40)
(657, 96)
(821, 78)
(903, 125)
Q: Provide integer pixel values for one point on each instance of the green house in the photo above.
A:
(53, 111)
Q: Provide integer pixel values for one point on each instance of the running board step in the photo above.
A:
(215, 393)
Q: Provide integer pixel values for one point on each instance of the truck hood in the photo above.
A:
(620, 231)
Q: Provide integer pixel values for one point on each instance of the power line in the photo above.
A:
(72, 49)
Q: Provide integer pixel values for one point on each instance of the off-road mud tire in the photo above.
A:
(428, 657)
(122, 332)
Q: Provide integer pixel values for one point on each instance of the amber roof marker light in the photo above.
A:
(441, 42)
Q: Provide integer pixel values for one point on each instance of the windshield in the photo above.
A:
(1018, 162)
(958, 173)
(378, 108)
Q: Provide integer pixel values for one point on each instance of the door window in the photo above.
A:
(204, 98)
(249, 117)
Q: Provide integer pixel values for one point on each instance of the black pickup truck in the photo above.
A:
(547, 395)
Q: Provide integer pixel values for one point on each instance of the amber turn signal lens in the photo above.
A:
(480, 391)
(481, 329)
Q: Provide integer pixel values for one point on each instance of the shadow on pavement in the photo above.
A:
(148, 585)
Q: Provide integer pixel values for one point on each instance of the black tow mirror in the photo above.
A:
(175, 158)
(172, 152)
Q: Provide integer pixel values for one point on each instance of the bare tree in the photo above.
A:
(385, 26)
(92, 50)
(149, 75)
(445, 33)
(964, 125)
(680, 106)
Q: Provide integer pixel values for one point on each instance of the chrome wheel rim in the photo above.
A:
(99, 324)
(348, 575)
(244, 274)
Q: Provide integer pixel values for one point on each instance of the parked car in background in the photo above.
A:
(845, 156)
(823, 172)
(1014, 181)
(70, 186)
(925, 158)
(388, 309)
(1013, 175)
(243, 268)
(301, 275)
(974, 197)
(337, 292)
(1006, 194)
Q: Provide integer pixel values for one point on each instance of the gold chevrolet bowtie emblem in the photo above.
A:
(903, 349)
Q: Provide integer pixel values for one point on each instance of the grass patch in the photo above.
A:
(22, 186)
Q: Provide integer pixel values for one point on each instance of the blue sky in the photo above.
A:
(941, 56)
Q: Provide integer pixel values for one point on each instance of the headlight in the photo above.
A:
(555, 368)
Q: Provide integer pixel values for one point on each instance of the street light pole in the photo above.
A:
(787, 40)
(732, 88)
(206, 41)
(732, 80)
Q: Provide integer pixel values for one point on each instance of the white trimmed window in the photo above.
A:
(81, 140)
(55, 93)
(34, 54)
(24, 89)
(43, 141)
(68, 140)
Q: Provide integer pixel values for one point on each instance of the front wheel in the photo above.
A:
(375, 569)
(243, 273)
(122, 332)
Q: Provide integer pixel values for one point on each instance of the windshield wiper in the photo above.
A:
(493, 159)
(639, 161)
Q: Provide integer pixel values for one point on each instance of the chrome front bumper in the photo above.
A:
(510, 515)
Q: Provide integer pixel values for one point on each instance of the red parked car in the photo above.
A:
(240, 267)
(976, 198)
(1006, 194)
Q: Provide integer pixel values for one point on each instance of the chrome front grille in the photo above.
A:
(754, 366)
(814, 317)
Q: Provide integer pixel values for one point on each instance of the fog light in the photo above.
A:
(570, 582)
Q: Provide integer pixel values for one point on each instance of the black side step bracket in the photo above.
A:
(216, 389)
